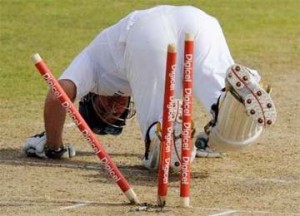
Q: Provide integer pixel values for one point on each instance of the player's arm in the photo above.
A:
(49, 144)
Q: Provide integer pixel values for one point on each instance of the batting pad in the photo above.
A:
(234, 129)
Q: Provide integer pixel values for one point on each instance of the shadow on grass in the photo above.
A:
(135, 174)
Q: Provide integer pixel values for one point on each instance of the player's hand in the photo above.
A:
(34, 146)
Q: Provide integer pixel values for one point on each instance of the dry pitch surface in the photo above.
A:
(263, 180)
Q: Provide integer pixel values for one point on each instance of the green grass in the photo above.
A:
(260, 33)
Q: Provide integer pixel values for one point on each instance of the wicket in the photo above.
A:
(60, 94)
(186, 142)
(167, 127)
(167, 123)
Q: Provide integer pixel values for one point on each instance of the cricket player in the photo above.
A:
(122, 72)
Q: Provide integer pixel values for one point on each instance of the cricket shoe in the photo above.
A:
(243, 83)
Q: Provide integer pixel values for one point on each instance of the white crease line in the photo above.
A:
(225, 213)
(229, 211)
(81, 203)
(73, 206)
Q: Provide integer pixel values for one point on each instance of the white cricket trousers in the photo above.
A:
(146, 52)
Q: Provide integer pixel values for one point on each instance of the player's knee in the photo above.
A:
(69, 87)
